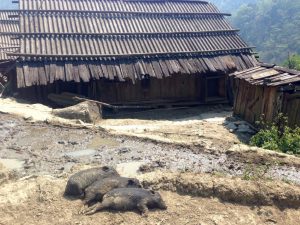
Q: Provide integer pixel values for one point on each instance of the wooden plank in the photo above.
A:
(236, 62)
(34, 74)
(216, 64)
(157, 69)
(242, 90)
(105, 70)
(184, 66)
(52, 73)
(164, 68)
(199, 66)
(84, 72)
(93, 71)
(60, 71)
(139, 69)
(242, 63)
(131, 72)
(222, 63)
(119, 73)
(250, 100)
(297, 119)
(42, 74)
(209, 64)
(244, 99)
(124, 70)
(76, 72)
(149, 69)
(110, 71)
(175, 66)
(265, 74)
(99, 69)
(20, 77)
(69, 71)
(250, 73)
(204, 66)
(47, 71)
(229, 63)
(247, 71)
(192, 66)
(168, 64)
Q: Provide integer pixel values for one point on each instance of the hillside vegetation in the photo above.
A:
(230, 5)
(272, 26)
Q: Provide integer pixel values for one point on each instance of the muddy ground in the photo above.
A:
(38, 158)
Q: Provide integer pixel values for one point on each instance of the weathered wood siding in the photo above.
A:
(291, 108)
(253, 102)
(179, 87)
(190, 88)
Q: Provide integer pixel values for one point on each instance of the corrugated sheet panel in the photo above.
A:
(114, 5)
(64, 45)
(116, 23)
(9, 24)
(9, 15)
(80, 23)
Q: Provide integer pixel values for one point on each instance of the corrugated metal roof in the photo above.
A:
(68, 27)
(9, 24)
(119, 5)
(160, 37)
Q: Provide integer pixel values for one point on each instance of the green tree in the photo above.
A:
(273, 26)
(293, 62)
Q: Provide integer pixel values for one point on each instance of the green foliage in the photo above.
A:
(277, 136)
(272, 26)
(266, 138)
(293, 62)
(230, 5)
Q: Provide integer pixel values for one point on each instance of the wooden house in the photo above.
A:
(265, 91)
(9, 26)
(128, 51)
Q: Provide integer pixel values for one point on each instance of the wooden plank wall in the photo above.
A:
(177, 87)
(251, 102)
(291, 108)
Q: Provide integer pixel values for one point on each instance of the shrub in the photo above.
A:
(277, 136)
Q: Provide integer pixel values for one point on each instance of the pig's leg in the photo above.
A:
(106, 204)
(93, 209)
(142, 207)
